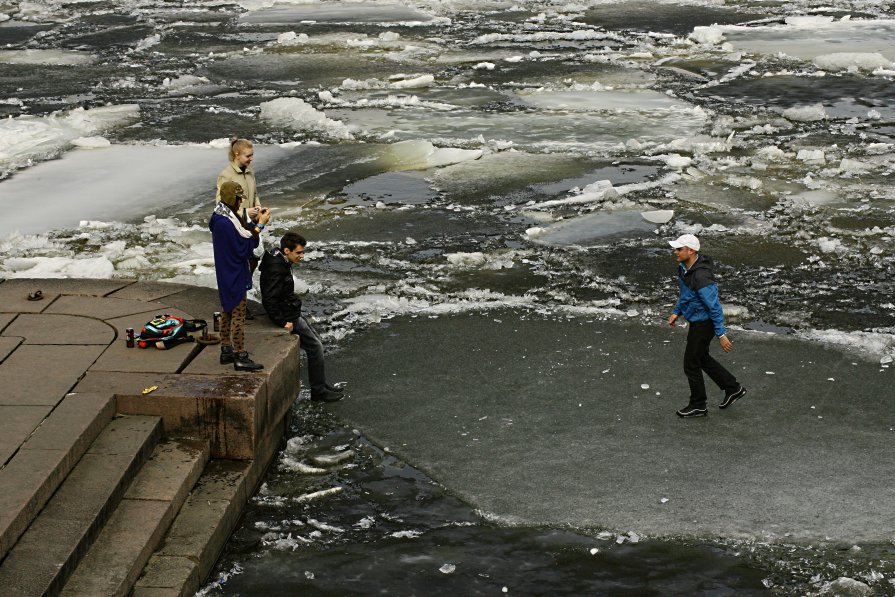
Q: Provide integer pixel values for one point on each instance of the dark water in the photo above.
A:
(487, 559)
(391, 530)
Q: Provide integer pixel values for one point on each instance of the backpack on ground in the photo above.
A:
(167, 331)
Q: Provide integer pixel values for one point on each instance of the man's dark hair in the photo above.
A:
(291, 240)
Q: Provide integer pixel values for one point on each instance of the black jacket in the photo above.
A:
(278, 288)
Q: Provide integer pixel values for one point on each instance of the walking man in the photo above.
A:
(284, 308)
(700, 305)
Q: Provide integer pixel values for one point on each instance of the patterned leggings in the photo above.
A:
(234, 322)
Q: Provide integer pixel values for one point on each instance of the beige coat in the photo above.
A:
(245, 179)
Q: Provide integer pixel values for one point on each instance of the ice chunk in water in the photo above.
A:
(811, 113)
(421, 155)
(595, 228)
(811, 155)
(53, 57)
(294, 113)
(659, 216)
(852, 61)
(91, 142)
(28, 137)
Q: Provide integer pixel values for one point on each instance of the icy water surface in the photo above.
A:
(469, 155)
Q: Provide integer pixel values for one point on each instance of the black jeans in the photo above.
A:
(313, 347)
(697, 360)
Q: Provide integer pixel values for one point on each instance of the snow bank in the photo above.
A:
(294, 113)
(59, 267)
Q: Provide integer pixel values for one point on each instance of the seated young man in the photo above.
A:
(284, 308)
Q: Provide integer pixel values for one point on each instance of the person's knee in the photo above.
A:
(313, 348)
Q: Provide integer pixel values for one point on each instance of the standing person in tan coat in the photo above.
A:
(239, 170)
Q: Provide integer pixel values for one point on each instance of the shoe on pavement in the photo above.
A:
(327, 395)
(227, 355)
(689, 412)
(242, 362)
(732, 397)
(336, 387)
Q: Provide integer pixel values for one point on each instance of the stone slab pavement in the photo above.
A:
(571, 422)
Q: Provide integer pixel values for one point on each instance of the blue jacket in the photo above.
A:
(231, 261)
(699, 294)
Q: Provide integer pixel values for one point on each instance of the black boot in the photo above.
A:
(326, 395)
(226, 355)
(340, 387)
(242, 362)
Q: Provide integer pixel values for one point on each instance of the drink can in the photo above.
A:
(217, 321)
(129, 337)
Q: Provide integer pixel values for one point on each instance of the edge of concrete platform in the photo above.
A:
(242, 416)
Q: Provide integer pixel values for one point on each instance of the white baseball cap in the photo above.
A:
(686, 240)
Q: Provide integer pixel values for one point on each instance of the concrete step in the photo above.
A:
(135, 529)
(44, 460)
(195, 540)
(47, 553)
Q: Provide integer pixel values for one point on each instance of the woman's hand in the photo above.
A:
(263, 215)
(253, 212)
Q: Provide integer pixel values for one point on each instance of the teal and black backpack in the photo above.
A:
(166, 331)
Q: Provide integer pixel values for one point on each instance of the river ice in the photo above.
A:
(446, 157)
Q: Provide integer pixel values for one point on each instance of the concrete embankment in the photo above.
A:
(107, 488)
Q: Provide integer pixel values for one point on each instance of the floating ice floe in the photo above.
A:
(290, 38)
(594, 229)
(810, 113)
(422, 155)
(480, 260)
(282, 12)
(676, 161)
(420, 81)
(809, 38)
(845, 587)
(871, 344)
(187, 83)
(296, 114)
(33, 137)
(85, 185)
(49, 57)
(145, 44)
(595, 100)
(811, 155)
(853, 62)
(91, 142)
(595, 192)
(659, 216)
